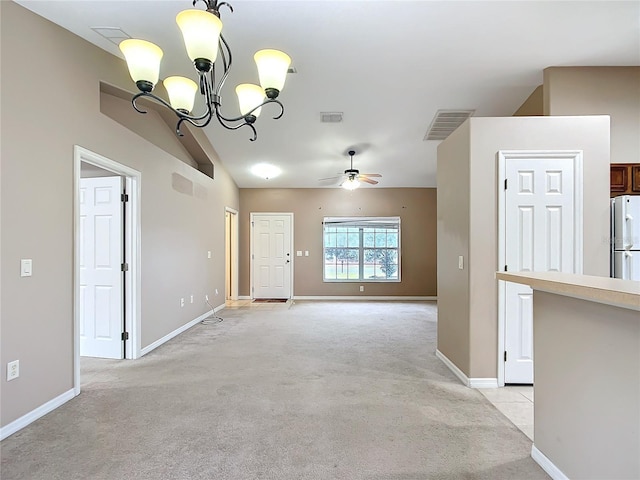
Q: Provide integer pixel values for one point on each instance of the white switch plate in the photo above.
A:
(298, 253)
(13, 370)
(26, 267)
(216, 291)
(182, 302)
(206, 298)
(362, 288)
(208, 253)
(191, 298)
(460, 262)
(306, 253)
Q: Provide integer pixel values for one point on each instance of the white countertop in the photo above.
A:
(612, 291)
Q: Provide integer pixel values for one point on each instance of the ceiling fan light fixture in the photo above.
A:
(350, 183)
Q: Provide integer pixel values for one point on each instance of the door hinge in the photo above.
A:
(124, 267)
(252, 257)
(124, 197)
(505, 355)
(505, 268)
(125, 336)
(505, 183)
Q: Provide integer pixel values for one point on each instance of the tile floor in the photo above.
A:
(515, 403)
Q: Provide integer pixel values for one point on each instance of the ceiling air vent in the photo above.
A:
(330, 117)
(445, 122)
(113, 34)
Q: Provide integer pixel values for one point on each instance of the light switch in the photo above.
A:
(26, 267)
(460, 262)
(208, 253)
(306, 253)
(298, 253)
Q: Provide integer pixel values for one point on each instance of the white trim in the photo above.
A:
(178, 331)
(252, 216)
(578, 233)
(452, 366)
(133, 314)
(547, 465)
(468, 382)
(37, 413)
(483, 382)
(244, 297)
(355, 297)
(233, 295)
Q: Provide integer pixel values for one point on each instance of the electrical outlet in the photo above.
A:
(191, 298)
(362, 288)
(206, 298)
(13, 370)
(182, 302)
(460, 262)
(208, 253)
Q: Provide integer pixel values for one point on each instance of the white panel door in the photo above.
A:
(271, 256)
(101, 277)
(539, 227)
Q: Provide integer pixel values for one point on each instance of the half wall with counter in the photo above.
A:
(586, 332)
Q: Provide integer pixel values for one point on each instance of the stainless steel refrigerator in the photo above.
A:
(625, 254)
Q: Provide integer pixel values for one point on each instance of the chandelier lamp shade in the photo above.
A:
(211, 56)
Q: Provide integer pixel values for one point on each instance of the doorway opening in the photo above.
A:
(111, 239)
(231, 246)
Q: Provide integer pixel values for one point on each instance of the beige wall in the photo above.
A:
(532, 106)
(415, 206)
(613, 91)
(587, 374)
(43, 117)
(477, 335)
(453, 241)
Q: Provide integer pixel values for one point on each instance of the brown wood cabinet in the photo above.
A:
(625, 179)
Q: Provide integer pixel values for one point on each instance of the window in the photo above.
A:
(360, 249)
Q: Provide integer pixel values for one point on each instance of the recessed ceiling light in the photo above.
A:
(265, 170)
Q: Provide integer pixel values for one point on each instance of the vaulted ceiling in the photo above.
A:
(389, 66)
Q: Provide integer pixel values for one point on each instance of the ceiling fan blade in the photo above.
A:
(367, 180)
(331, 178)
(370, 175)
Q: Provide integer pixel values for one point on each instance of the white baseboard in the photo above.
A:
(34, 415)
(483, 382)
(547, 465)
(363, 297)
(469, 382)
(244, 297)
(178, 331)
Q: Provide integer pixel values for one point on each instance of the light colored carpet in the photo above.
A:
(320, 390)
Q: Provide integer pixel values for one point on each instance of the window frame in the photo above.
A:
(362, 223)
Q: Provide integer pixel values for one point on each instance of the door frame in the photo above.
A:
(578, 231)
(132, 249)
(232, 256)
(252, 216)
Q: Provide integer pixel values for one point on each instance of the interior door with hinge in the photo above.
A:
(271, 256)
(539, 229)
(101, 268)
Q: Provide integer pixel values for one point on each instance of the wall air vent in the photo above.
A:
(445, 122)
(330, 117)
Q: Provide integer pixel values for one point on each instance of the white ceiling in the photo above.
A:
(388, 65)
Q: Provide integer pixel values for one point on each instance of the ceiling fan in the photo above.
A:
(353, 177)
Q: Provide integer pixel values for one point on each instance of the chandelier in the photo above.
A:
(201, 31)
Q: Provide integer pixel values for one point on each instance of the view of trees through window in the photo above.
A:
(361, 249)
